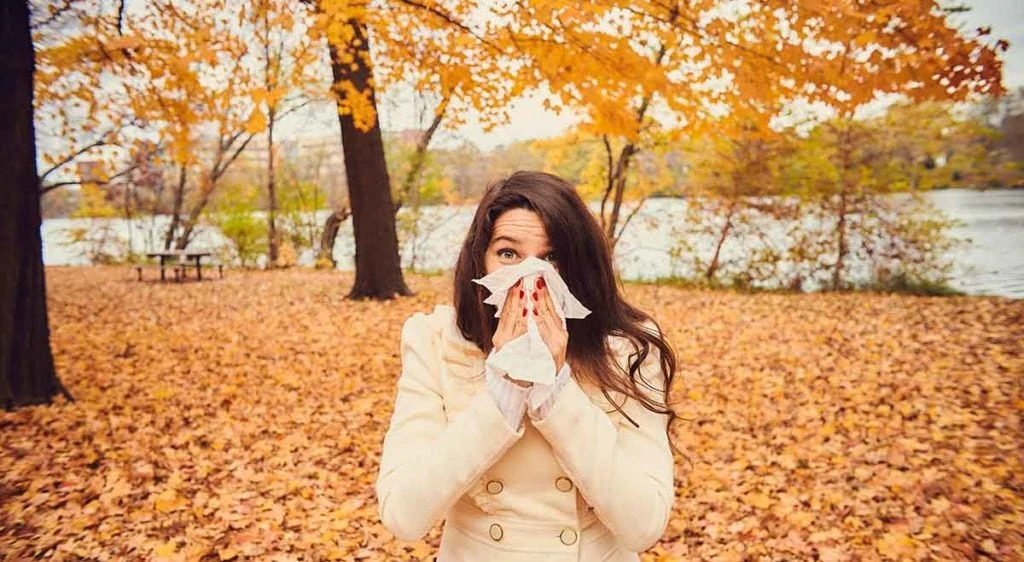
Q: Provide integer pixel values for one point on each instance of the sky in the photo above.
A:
(1007, 20)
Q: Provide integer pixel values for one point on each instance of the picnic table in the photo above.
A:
(165, 256)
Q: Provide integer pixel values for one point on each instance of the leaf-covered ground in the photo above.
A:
(242, 419)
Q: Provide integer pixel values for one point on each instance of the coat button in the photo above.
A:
(497, 532)
(568, 536)
(495, 486)
(563, 484)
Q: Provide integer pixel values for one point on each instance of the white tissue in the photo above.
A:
(527, 357)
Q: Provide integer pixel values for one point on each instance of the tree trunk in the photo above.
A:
(189, 226)
(179, 202)
(330, 233)
(271, 193)
(617, 170)
(722, 236)
(618, 180)
(618, 167)
(269, 81)
(378, 267)
(220, 166)
(841, 246)
(27, 374)
(410, 190)
(843, 211)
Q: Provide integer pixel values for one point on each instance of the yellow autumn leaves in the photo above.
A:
(241, 419)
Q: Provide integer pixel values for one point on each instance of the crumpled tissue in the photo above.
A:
(527, 357)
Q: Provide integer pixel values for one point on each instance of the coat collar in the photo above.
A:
(456, 349)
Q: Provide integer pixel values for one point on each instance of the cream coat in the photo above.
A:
(582, 484)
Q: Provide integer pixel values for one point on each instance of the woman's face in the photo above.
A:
(518, 233)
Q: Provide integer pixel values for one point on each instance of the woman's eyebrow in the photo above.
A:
(508, 238)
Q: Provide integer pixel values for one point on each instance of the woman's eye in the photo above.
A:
(510, 254)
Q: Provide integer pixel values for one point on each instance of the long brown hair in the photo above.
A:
(584, 260)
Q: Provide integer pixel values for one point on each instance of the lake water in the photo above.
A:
(993, 262)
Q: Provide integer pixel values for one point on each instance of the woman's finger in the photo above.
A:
(549, 325)
(543, 326)
(519, 327)
(508, 301)
(550, 318)
(547, 311)
(510, 310)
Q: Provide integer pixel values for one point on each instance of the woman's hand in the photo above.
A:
(549, 324)
(512, 322)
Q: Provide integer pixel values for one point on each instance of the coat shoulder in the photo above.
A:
(434, 323)
(441, 328)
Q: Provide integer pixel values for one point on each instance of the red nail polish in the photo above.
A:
(540, 283)
(524, 311)
(535, 297)
(536, 312)
(521, 293)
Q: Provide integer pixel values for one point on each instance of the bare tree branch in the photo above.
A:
(629, 218)
(44, 189)
(221, 167)
(448, 18)
(120, 17)
(55, 14)
(419, 157)
(292, 109)
(71, 157)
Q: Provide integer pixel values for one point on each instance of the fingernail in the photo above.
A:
(540, 282)
(521, 293)
(535, 297)
(535, 312)
(524, 311)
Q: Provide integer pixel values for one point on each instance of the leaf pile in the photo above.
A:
(241, 419)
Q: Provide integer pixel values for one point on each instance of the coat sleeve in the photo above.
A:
(427, 462)
(625, 472)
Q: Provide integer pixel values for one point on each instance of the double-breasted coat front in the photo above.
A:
(581, 484)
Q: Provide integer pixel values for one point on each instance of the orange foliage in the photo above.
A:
(748, 57)
(692, 61)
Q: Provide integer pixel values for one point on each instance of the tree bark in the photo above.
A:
(843, 210)
(27, 374)
(617, 184)
(226, 155)
(723, 235)
(271, 193)
(329, 234)
(378, 266)
(189, 226)
(410, 190)
(269, 81)
(618, 168)
(179, 203)
(841, 245)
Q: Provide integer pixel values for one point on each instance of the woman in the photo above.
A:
(587, 474)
